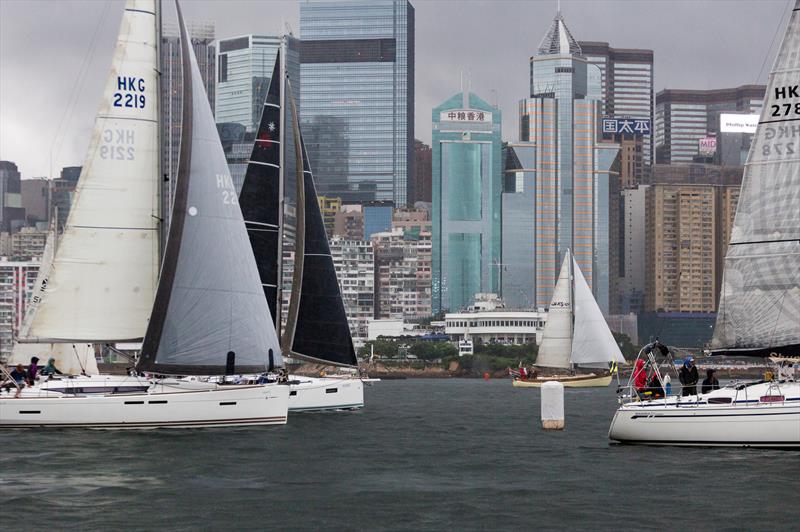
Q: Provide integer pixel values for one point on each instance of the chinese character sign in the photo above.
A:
(466, 115)
(627, 126)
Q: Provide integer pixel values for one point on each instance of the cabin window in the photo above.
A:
(293, 392)
(331, 390)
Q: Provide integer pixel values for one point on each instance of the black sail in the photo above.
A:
(260, 198)
(322, 331)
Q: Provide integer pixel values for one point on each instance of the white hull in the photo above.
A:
(309, 394)
(748, 420)
(168, 403)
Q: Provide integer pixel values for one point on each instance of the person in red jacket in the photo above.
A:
(640, 376)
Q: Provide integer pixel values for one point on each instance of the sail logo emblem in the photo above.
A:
(560, 304)
(130, 92)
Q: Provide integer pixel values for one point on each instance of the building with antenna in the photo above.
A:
(577, 174)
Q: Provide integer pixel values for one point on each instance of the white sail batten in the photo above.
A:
(101, 282)
(592, 341)
(759, 307)
(556, 346)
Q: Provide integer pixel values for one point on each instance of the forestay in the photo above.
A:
(102, 279)
(592, 341)
(759, 308)
(210, 312)
(556, 346)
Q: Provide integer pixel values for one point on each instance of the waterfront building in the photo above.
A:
(577, 174)
(348, 223)
(377, 217)
(329, 207)
(354, 261)
(688, 224)
(61, 192)
(27, 244)
(12, 215)
(626, 92)
(489, 322)
(357, 97)
(632, 253)
(422, 173)
(402, 274)
(467, 184)
(519, 225)
(36, 200)
(687, 121)
(17, 280)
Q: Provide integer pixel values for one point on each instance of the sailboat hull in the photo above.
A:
(756, 417)
(311, 394)
(171, 404)
(577, 381)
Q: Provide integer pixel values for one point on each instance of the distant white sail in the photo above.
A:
(101, 283)
(759, 307)
(556, 346)
(592, 341)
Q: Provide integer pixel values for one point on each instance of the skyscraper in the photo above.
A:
(577, 175)
(684, 118)
(12, 215)
(626, 91)
(467, 175)
(357, 97)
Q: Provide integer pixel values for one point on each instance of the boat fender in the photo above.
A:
(230, 363)
(271, 366)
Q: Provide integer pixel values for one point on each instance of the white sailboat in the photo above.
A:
(759, 311)
(575, 334)
(202, 319)
(316, 327)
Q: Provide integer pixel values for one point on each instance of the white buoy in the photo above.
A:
(552, 405)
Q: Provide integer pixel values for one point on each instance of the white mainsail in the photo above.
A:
(101, 283)
(759, 307)
(592, 341)
(556, 346)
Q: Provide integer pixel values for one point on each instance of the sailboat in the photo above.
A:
(575, 334)
(759, 308)
(316, 327)
(209, 315)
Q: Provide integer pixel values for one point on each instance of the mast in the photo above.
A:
(163, 205)
(283, 73)
(571, 261)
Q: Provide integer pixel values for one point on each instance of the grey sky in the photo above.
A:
(45, 43)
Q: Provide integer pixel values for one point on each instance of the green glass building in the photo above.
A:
(467, 185)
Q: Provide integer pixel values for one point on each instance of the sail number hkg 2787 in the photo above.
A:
(130, 92)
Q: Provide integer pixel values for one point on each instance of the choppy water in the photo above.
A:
(423, 455)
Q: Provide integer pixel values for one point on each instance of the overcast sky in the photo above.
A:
(54, 54)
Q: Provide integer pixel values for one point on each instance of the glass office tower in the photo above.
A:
(576, 174)
(466, 201)
(357, 97)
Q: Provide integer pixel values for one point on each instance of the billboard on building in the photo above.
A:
(627, 126)
(735, 123)
(466, 115)
(707, 146)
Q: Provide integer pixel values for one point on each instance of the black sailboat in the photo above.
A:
(316, 329)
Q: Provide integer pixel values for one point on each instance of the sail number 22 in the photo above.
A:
(130, 92)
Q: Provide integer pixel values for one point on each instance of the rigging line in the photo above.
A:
(774, 36)
(77, 89)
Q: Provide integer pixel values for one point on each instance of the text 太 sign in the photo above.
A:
(733, 123)
(627, 126)
(466, 115)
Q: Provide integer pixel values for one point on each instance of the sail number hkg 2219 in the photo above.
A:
(130, 92)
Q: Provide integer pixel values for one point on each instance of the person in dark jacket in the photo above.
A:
(689, 377)
(50, 368)
(18, 376)
(710, 383)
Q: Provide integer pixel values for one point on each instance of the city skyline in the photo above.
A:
(47, 42)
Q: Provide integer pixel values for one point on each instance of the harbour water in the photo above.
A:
(423, 455)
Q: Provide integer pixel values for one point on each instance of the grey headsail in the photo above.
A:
(209, 312)
(260, 198)
(759, 307)
(317, 327)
